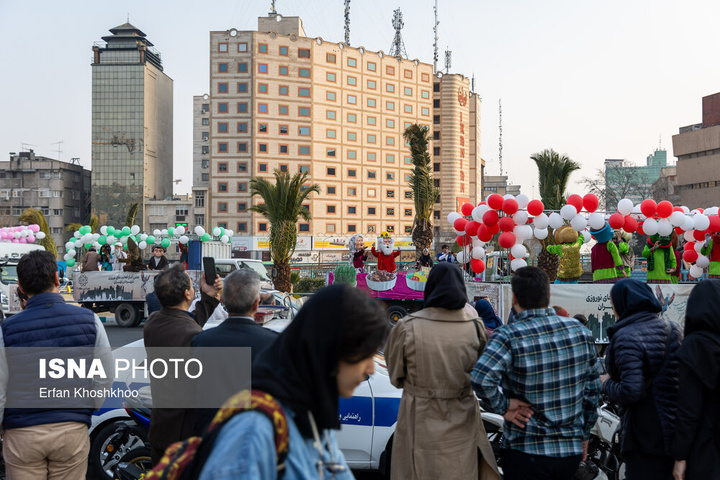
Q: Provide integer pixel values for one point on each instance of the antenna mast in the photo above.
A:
(448, 60)
(59, 148)
(500, 142)
(435, 44)
(347, 22)
(272, 7)
(398, 46)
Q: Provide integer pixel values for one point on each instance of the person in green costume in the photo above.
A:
(661, 261)
(712, 250)
(605, 259)
(568, 248)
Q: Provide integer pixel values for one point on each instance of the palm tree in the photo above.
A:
(282, 206)
(94, 225)
(424, 191)
(554, 171)
(33, 216)
(132, 213)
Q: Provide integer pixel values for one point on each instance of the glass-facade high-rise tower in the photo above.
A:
(132, 126)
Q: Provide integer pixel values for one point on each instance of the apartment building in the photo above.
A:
(280, 100)
(201, 161)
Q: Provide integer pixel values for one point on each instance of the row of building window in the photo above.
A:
(263, 68)
(305, 227)
(242, 107)
(284, 149)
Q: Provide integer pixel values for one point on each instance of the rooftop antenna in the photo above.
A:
(347, 22)
(660, 142)
(435, 44)
(500, 141)
(128, 17)
(448, 60)
(75, 161)
(272, 7)
(472, 83)
(58, 150)
(398, 47)
(24, 146)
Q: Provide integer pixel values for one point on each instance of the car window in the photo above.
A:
(8, 274)
(259, 268)
(224, 269)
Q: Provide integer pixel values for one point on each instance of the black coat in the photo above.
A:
(160, 266)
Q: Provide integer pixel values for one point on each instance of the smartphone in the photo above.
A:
(209, 269)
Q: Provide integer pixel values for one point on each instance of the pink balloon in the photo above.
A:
(23, 240)
(15, 240)
(34, 227)
(31, 238)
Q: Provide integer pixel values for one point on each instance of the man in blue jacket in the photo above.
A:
(44, 437)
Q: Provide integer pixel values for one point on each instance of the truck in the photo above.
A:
(10, 254)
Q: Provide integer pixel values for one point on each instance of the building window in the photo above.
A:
(436, 87)
(222, 108)
(352, 173)
(283, 129)
(352, 136)
(304, 131)
(390, 158)
(330, 58)
(331, 190)
(408, 228)
(352, 99)
(371, 210)
(262, 167)
(371, 156)
(242, 87)
(242, 67)
(283, 90)
(408, 91)
(242, 47)
(425, 112)
(304, 169)
(351, 210)
(283, 51)
(242, 167)
(371, 66)
(330, 208)
(283, 70)
(242, 147)
(262, 227)
(436, 167)
(330, 171)
(436, 182)
(330, 96)
(352, 118)
(242, 127)
(242, 107)
(390, 87)
(303, 92)
(304, 227)
(352, 155)
(408, 108)
(408, 212)
(283, 110)
(408, 74)
(330, 228)
(262, 48)
(304, 72)
(371, 102)
(262, 108)
(222, 187)
(205, 148)
(204, 176)
(283, 167)
(304, 150)
(371, 174)
(241, 207)
(352, 81)
(436, 103)
(436, 135)
(371, 84)
(436, 119)
(222, 47)
(222, 167)
(329, 133)
(352, 228)
(390, 141)
(390, 105)
(222, 127)
(390, 123)
(262, 88)
(242, 186)
(303, 112)
(206, 121)
(389, 70)
(330, 77)
(222, 67)
(222, 147)
(371, 121)
(330, 114)
(262, 68)
(242, 227)
(222, 206)
(425, 94)
(390, 211)
(436, 151)
(283, 149)
(330, 152)
(390, 194)
(371, 139)
(303, 53)
(262, 147)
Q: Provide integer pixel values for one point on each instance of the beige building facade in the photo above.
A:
(201, 161)
(280, 100)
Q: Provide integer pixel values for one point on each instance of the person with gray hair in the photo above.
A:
(241, 297)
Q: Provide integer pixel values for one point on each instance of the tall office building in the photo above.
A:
(201, 160)
(281, 100)
(132, 126)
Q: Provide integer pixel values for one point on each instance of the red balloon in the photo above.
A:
(490, 218)
(648, 207)
(535, 207)
(495, 201)
(478, 266)
(664, 209)
(506, 224)
(699, 235)
(616, 221)
(714, 223)
(493, 229)
(690, 256)
(679, 230)
(467, 209)
(484, 234)
(678, 209)
(510, 206)
(506, 239)
(471, 228)
(459, 224)
(576, 201)
(630, 224)
(640, 229)
(463, 240)
(590, 202)
(700, 210)
(689, 246)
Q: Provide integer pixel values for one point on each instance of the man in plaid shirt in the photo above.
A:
(550, 385)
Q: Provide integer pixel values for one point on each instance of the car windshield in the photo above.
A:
(380, 365)
(8, 274)
(259, 268)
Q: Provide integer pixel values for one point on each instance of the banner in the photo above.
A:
(120, 286)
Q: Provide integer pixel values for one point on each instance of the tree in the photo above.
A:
(132, 213)
(33, 216)
(94, 225)
(618, 180)
(423, 189)
(282, 206)
(554, 171)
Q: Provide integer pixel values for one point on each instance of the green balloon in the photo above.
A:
(125, 247)
(205, 237)
(165, 242)
(88, 245)
(71, 262)
(110, 230)
(222, 231)
(126, 231)
(150, 240)
(85, 229)
(102, 240)
(171, 231)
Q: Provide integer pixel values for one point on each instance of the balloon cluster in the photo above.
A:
(110, 235)
(21, 234)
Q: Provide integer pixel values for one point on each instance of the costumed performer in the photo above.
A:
(387, 253)
(358, 253)
(568, 243)
(661, 261)
(605, 259)
(621, 238)
(712, 249)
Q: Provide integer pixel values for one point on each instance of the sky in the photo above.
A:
(590, 79)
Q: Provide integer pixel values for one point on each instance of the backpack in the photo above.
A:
(185, 460)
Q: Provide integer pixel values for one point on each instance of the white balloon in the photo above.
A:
(522, 200)
(164, 232)
(523, 232)
(509, 196)
(216, 231)
(567, 212)
(179, 230)
(461, 257)
(636, 210)
(459, 232)
(103, 229)
(96, 237)
(650, 227)
(665, 228)
(96, 245)
(688, 224)
(143, 237)
(586, 236)
(452, 216)
(701, 222)
(694, 212)
(40, 235)
(77, 234)
(677, 219)
(518, 251)
(476, 242)
(688, 236)
(72, 252)
(200, 231)
(685, 209)
(556, 221)
(596, 220)
(478, 253)
(541, 233)
(517, 264)
(225, 239)
(142, 245)
(78, 243)
(702, 261)
(67, 257)
(711, 211)
(541, 221)
(625, 206)
(134, 229)
(111, 239)
(124, 239)
(696, 272)
(184, 239)
(520, 218)
(578, 223)
(69, 245)
(157, 232)
(229, 233)
(699, 246)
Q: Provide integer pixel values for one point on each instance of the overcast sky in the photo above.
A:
(590, 79)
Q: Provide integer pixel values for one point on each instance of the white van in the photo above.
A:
(10, 254)
(225, 266)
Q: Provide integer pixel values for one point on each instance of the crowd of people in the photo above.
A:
(118, 259)
(541, 372)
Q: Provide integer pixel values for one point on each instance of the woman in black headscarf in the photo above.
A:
(696, 446)
(643, 379)
(325, 352)
(430, 355)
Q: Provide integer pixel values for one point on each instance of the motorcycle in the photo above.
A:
(136, 458)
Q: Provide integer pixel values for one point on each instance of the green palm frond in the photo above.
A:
(554, 171)
(421, 184)
(132, 213)
(34, 216)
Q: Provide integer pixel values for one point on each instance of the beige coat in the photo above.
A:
(430, 355)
